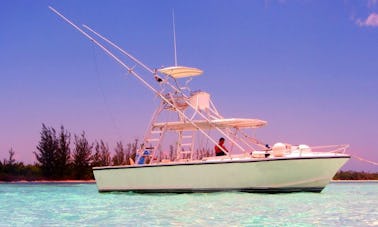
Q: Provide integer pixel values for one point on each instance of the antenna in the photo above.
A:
(174, 35)
(132, 72)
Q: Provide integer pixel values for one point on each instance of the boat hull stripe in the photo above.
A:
(206, 190)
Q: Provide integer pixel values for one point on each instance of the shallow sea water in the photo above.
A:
(340, 204)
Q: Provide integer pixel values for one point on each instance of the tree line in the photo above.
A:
(354, 175)
(61, 156)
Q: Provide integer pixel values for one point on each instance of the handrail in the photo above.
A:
(340, 148)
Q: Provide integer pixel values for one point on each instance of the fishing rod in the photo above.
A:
(131, 71)
(120, 49)
(167, 82)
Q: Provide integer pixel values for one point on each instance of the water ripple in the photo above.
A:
(346, 204)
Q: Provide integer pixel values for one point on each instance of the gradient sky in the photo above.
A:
(310, 68)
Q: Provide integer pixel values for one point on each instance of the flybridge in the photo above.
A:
(194, 110)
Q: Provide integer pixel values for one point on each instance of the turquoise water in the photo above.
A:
(340, 204)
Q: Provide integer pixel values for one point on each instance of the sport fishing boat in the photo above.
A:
(194, 127)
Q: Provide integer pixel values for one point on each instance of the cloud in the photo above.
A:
(371, 21)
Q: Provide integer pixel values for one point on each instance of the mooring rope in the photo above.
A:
(365, 160)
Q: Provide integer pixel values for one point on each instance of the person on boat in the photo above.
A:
(219, 151)
(267, 150)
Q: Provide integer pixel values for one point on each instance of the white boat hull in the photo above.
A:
(269, 175)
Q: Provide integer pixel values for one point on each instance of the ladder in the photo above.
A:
(185, 145)
(152, 143)
(152, 139)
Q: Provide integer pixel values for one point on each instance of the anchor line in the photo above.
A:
(365, 160)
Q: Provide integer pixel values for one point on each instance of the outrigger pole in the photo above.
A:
(173, 87)
(131, 71)
(119, 48)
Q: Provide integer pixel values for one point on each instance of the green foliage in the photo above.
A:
(101, 157)
(354, 175)
(63, 153)
(57, 161)
(119, 156)
(47, 149)
(53, 154)
(11, 161)
(82, 158)
(11, 170)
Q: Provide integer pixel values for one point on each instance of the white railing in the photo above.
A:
(341, 148)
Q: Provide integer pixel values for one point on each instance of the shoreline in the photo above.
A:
(354, 181)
